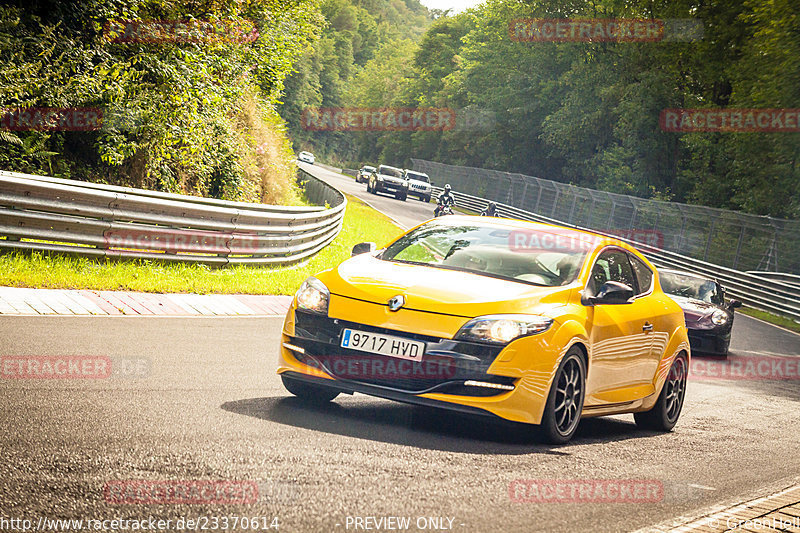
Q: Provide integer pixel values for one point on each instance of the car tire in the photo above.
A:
(426, 199)
(309, 392)
(562, 413)
(401, 197)
(664, 414)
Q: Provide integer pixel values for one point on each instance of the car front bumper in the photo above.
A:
(709, 341)
(310, 351)
(419, 191)
(390, 186)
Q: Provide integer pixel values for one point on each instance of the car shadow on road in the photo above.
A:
(425, 427)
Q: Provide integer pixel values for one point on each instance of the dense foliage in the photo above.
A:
(182, 115)
(579, 112)
(361, 39)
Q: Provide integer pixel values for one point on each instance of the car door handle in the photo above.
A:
(647, 326)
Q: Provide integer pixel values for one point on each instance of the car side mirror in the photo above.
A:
(734, 304)
(610, 293)
(363, 248)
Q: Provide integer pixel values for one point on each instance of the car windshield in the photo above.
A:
(694, 287)
(389, 171)
(368, 169)
(418, 177)
(487, 250)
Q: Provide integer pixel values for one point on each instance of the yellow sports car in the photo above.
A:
(523, 321)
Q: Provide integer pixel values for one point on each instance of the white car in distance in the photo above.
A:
(419, 184)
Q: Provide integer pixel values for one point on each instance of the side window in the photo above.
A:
(719, 296)
(612, 265)
(644, 276)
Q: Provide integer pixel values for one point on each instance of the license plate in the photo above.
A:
(383, 344)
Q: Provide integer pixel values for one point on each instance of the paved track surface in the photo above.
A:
(406, 214)
(197, 398)
(201, 401)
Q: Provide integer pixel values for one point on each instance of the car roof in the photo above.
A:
(417, 172)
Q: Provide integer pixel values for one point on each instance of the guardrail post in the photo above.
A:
(538, 200)
(710, 237)
(611, 213)
(738, 248)
(572, 209)
(524, 193)
(555, 203)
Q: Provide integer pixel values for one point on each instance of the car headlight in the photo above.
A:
(313, 296)
(502, 329)
(719, 317)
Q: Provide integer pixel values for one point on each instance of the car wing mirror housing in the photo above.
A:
(610, 293)
(363, 248)
(734, 304)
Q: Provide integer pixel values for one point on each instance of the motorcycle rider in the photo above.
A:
(490, 211)
(446, 199)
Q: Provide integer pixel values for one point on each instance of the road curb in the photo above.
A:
(779, 511)
(23, 301)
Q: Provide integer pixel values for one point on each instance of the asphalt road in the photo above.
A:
(198, 399)
(206, 404)
(406, 214)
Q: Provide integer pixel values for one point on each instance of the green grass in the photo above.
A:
(781, 321)
(51, 271)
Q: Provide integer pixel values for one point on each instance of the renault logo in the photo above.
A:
(397, 302)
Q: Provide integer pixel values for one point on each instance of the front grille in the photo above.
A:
(444, 368)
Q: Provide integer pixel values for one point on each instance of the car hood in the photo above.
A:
(391, 178)
(694, 310)
(437, 290)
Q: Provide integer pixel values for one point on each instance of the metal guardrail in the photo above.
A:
(97, 220)
(792, 279)
(779, 295)
(733, 239)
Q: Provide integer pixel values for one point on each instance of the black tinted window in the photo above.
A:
(612, 265)
(644, 276)
(389, 171)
